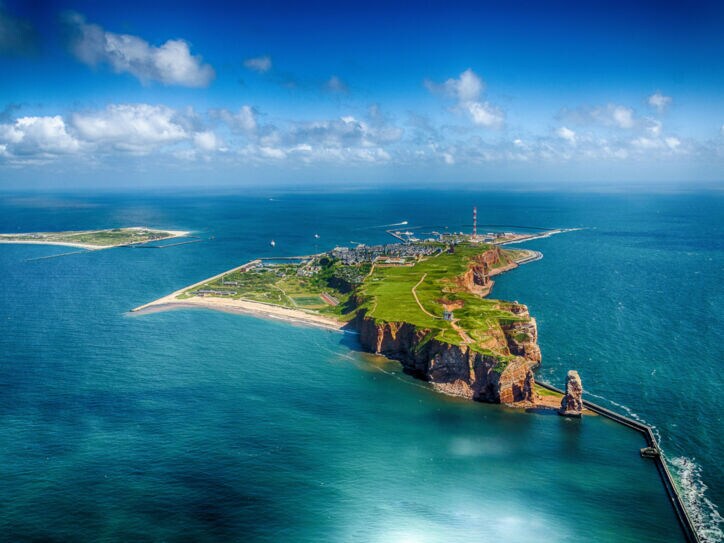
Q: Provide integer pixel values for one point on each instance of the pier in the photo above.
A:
(687, 526)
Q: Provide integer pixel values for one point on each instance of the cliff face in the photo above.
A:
(457, 369)
(498, 368)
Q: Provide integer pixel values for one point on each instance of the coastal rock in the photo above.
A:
(572, 402)
(522, 336)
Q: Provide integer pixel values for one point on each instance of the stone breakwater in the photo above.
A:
(459, 369)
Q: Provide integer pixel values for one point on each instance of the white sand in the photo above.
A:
(242, 306)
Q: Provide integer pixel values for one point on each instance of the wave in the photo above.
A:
(703, 512)
(629, 413)
(688, 474)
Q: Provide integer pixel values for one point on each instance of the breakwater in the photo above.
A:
(687, 526)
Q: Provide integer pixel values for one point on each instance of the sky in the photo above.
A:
(127, 94)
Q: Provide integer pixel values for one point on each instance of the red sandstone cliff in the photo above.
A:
(502, 373)
(458, 369)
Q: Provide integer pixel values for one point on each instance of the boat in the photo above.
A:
(273, 243)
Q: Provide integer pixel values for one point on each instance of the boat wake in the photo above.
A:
(403, 223)
(704, 513)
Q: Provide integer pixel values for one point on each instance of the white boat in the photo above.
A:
(273, 243)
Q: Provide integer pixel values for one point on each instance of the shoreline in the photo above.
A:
(247, 307)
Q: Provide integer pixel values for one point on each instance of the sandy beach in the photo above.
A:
(242, 306)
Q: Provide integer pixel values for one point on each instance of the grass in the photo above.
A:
(279, 284)
(546, 392)
(116, 236)
(388, 295)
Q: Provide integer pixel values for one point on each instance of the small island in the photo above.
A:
(94, 240)
(421, 302)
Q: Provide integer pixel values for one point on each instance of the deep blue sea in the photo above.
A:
(193, 425)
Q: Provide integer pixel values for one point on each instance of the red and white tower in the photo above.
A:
(475, 222)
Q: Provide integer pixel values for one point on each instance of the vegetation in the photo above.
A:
(388, 296)
(547, 392)
(100, 238)
(418, 294)
(311, 285)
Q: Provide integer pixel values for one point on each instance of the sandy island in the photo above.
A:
(88, 246)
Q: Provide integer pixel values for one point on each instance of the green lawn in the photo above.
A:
(388, 293)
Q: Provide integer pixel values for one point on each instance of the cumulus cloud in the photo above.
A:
(484, 114)
(610, 115)
(40, 137)
(622, 116)
(131, 127)
(566, 134)
(467, 90)
(245, 120)
(658, 101)
(346, 131)
(207, 141)
(17, 36)
(170, 63)
(259, 64)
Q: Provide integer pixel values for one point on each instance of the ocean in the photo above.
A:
(193, 425)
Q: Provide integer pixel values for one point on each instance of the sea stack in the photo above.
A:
(572, 402)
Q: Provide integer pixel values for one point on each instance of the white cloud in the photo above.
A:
(272, 152)
(346, 132)
(655, 127)
(131, 127)
(467, 90)
(622, 116)
(484, 114)
(37, 136)
(207, 141)
(672, 143)
(170, 63)
(659, 101)
(566, 134)
(259, 64)
(243, 121)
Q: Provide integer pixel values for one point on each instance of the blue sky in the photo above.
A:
(535, 93)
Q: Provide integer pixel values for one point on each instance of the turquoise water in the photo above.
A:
(196, 425)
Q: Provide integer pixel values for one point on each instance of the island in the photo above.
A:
(94, 240)
(423, 303)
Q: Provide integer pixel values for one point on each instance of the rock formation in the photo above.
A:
(498, 369)
(458, 369)
(572, 402)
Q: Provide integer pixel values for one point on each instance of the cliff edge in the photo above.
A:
(492, 364)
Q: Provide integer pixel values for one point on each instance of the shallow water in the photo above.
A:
(196, 425)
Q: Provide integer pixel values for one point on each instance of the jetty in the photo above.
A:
(685, 522)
